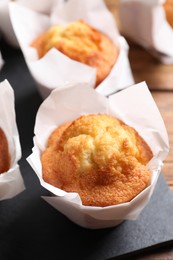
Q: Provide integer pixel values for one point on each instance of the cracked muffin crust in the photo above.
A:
(99, 157)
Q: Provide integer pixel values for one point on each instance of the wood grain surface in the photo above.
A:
(159, 78)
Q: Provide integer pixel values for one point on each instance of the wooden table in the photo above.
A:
(159, 79)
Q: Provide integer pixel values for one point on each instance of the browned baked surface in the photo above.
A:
(4, 153)
(98, 156)
(168, 6)
(80, 42)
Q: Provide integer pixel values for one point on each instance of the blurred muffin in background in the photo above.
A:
(81, 42)
(168, 7)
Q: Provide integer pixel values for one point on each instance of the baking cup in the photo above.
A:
(129, 105)
(55, 68)
(148, 27)
(41, 6)
(11, 182)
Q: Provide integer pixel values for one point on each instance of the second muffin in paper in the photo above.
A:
(101, 62)
(80, 42)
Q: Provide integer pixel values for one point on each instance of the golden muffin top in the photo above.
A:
(4, 153)
(80, 42)
(98, 156)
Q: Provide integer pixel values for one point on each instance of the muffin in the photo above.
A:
(82, 43)
(99, 157)
(4, 153)
(168, 7)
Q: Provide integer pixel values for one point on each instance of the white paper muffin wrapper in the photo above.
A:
(1, 61)
(145, 22)
(41, 6)
(5, 24)
(55, 69)
(129, 105)
(11, 182)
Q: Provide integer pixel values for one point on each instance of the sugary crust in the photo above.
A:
(168, 7)
(98, 156)
(80, 42)
(4, 153)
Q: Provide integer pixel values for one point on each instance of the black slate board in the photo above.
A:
(31, 229)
